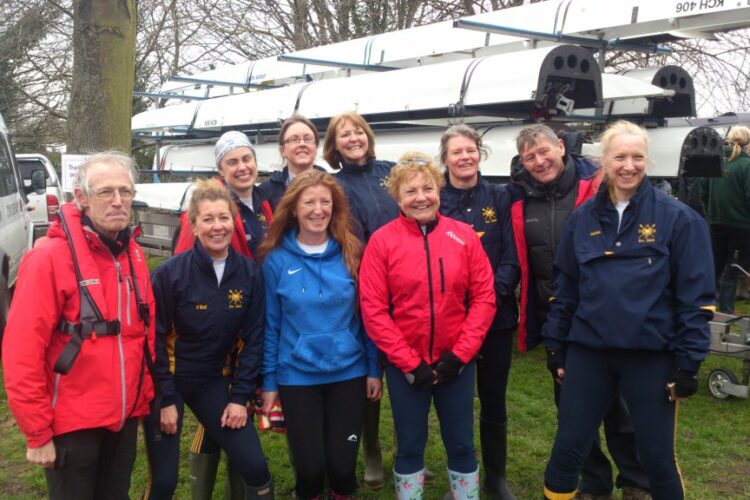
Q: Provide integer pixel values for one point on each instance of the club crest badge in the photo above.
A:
(235, 299)
(490, 217)
(646, 233)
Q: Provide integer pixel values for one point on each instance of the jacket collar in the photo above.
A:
(559, 187)
(454, 190)
(603, 200)
(205, 261)
(415, 227)
(117, 245)
(351, 168)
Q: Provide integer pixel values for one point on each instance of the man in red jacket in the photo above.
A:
(79, 332)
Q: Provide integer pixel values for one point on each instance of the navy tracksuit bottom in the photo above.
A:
(207, 402)
(454, 403)
(596, 473)
(592, 381)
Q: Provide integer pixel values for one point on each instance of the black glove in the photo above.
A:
(448, 367)
(421, 377)
(555, 360)
(685, 383)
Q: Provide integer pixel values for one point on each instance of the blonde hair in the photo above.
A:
(340, 227)
(209, 190)
(409, 165)
(739, 140)
(617, 129)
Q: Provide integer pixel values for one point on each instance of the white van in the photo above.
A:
(15, 226)
(43, 204)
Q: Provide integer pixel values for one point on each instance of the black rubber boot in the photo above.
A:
(494, 441)
(374, 474)
(234, 486)
(264, 492)
(203, 474)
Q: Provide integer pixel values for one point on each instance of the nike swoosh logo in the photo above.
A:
(293, 271)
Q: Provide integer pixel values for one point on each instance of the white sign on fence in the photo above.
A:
(70, 164)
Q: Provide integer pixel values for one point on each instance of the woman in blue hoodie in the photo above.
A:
(317, 358)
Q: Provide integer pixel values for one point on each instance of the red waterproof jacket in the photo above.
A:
(425, 294)
(109, 381)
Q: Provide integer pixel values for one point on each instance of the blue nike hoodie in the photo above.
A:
(313, 332)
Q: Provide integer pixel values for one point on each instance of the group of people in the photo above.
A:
(310, 288)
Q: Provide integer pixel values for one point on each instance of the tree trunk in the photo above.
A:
(103, 74)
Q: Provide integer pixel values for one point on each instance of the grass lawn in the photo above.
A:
(713, 443)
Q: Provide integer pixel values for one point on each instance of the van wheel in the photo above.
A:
(4, 305)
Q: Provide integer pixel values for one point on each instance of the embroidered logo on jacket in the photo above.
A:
(646, 233)
(262, 220)
(235, 299)
(385, 182)
(455, 238)
(201, 307)
(490, 217)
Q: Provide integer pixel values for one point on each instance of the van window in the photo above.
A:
(28, 166)
(7, 178)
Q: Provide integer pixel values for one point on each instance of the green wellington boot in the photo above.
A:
(234, 488)
(374, 474)
(494, 441)
(264, 492)
(203, 474)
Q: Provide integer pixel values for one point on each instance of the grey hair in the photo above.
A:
(461, 129)
(529, 135)
(116, 159)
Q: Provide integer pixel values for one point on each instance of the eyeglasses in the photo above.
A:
(108, 194)
(308, 139)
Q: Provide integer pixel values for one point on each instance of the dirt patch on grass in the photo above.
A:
(731, 480)
(14, 485)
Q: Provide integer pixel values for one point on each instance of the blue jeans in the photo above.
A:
(454, 403)
(591, 381)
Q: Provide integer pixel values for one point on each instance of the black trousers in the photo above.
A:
(323, 424)
(93, 464)
(493, 366)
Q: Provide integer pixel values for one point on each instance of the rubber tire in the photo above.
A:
(717, 376)
(4, 305)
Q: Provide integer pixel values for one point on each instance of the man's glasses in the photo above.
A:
(107, 194)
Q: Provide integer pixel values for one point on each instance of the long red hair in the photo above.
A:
(340, 227)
